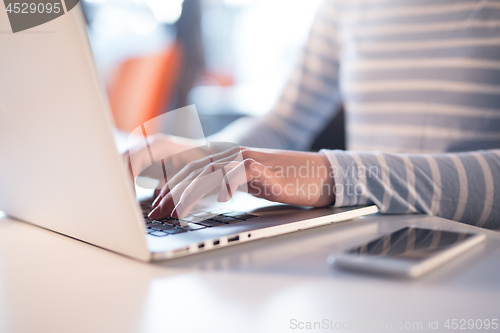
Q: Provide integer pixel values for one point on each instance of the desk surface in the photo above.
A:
(51, 283)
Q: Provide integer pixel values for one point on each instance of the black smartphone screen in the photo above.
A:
(411, 243)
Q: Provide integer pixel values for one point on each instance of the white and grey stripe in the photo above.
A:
(414, 77)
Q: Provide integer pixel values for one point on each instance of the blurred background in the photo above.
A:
(230, 58)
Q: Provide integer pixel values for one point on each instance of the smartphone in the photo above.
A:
(410, 251)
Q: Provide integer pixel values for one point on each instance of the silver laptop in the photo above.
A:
(60, 168)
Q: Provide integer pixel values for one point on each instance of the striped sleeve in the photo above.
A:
(311, 97)
(459, 186)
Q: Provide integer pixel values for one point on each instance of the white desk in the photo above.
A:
(50, 284)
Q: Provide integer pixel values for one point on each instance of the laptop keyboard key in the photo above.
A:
(175, 231)
(192, 219)
(210, 223)
(192, 227)
(158, 234)
(168, 219)
(226, 219)
(246, 217)
(233, 214)
(196, 221)
(201, 214)
(175, 223)
(163, 227)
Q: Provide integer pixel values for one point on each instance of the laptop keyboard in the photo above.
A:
(193, 222)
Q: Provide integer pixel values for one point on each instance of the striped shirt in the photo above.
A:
(419, 81)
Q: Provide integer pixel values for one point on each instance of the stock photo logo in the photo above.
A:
(26, 14)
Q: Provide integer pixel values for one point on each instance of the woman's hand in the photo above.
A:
(142, 153)
(289, 177)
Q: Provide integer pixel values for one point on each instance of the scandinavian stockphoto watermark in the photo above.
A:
(294, 176)
(27, 14)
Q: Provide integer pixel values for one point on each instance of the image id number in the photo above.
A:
(32, 8)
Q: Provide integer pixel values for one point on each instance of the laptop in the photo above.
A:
(60, 168)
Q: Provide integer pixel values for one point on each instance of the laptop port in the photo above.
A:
(233, 239)
(217, 242)
(186, 249)
(201, 245)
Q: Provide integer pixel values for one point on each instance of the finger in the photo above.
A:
(165, 206)
(244, 173)
(193, 169)
(204, 184)
(172, 184)
(159, 195)
(225, 156)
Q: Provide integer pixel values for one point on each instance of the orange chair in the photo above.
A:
(144, 86)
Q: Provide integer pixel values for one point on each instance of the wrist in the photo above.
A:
(327, 181)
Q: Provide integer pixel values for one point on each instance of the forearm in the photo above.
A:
(464, 186)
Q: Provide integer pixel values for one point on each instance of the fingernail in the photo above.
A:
(177, 211)
(154, 213)
(155, 202)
